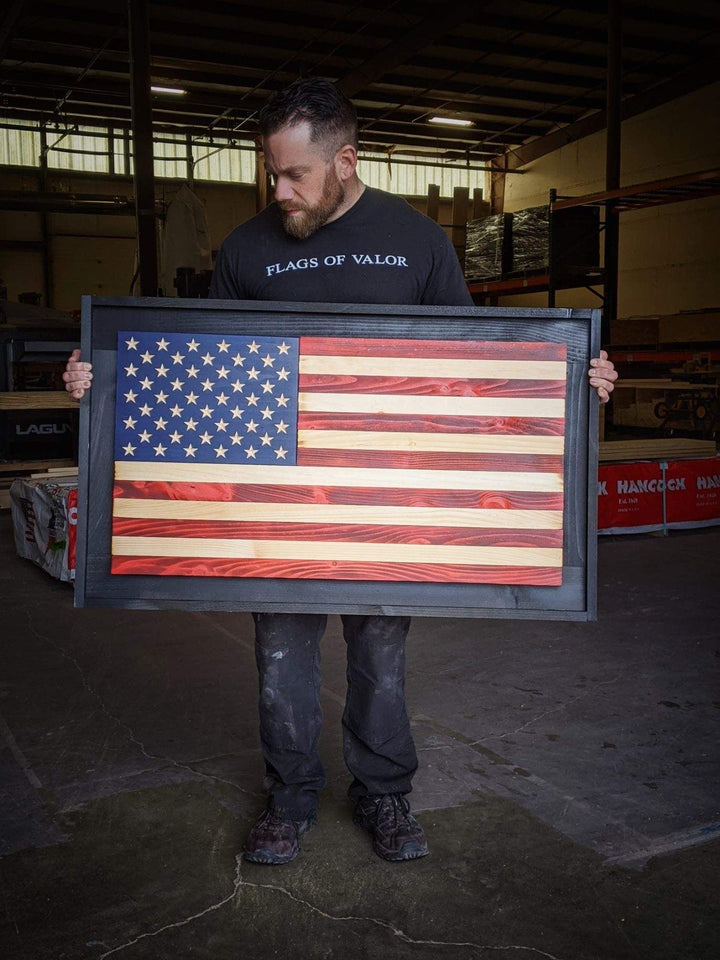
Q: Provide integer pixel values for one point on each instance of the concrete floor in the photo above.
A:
(568, 785)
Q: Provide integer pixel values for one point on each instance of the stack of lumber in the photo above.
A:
(56, 473)
(36, 400)
(687, 326)
(656, 449)
(15, 469)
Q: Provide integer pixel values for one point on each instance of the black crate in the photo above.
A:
(488, 247)
(573, 249)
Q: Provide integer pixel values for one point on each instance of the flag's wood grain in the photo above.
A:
(503, 500)
(337, 476)
(435, 406)
(369, 533)
(407, 460)
(337, 570)
(340, 459)
(507, 426)
(404, 367)
(452, 349)
(422, 386)
(266, 512)
(338, 550)
(432, 442)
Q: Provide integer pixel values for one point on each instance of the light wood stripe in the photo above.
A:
(335, 550)
(429, 442)
(441, 368)
(337, 513)
(340, 477)
(433, 406)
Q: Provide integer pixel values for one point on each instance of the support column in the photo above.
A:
(263, 190)
(433, 202)
(48, 287)
(480, 206)
(189, 160)
(497, 184)
(612, 163)
(461, 199)
(144, 175)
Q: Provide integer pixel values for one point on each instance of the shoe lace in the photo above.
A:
(270, 816)
(400, 806)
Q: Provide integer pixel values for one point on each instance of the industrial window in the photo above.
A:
(20, 147)
(90, 149)
(411, 180)
(85, 149)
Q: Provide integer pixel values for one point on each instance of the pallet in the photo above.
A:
(58, 468)
(656, 449)
(37, 400)
(59, 474)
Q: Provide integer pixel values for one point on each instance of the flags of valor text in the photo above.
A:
(340, 459)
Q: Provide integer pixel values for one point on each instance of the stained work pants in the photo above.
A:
(377, 742)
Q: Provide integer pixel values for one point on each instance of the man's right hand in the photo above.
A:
(77, 376)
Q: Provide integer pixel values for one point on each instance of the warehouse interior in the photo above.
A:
(568, 779)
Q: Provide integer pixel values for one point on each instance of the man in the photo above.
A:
(329, 238)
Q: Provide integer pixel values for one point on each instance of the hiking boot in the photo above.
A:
(275, 839)
(396, 833)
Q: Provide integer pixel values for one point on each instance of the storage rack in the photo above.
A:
(649, 194)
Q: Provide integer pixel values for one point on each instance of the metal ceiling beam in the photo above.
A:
(116, 93)
(554, 55)
(640, 13)
(384, 94)
(37, 82)
(12, 14)
(398, 51)
(144, 176)
(554, 28)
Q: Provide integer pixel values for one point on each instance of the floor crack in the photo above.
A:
(387, 924)
(128, 730)
(239, 881)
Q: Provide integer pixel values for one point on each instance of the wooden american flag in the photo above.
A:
(339, 459)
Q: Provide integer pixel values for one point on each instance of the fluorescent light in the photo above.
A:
(173, 90)
(451, 121)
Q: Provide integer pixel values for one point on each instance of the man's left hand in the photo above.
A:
(603, 375)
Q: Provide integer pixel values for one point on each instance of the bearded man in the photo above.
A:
(329, 238)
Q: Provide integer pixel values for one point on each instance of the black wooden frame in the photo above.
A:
(95, 586)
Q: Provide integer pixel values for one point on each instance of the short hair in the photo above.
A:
(332, 117)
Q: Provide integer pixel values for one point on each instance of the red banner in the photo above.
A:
(634, 497)
(72, 526)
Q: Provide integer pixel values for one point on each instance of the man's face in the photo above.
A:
(308, 189)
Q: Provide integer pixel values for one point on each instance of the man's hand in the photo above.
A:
(603, 375)
(77, 376)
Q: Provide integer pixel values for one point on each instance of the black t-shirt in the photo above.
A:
(380, 251)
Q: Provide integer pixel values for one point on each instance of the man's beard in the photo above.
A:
(304, 224)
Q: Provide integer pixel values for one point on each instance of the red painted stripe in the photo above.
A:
(517, 426)
(262, 493)
(427, 386)
(329, 532)
(450, 349)
(408, 460)
(325, 570)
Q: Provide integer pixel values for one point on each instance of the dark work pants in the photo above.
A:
(377, 742)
